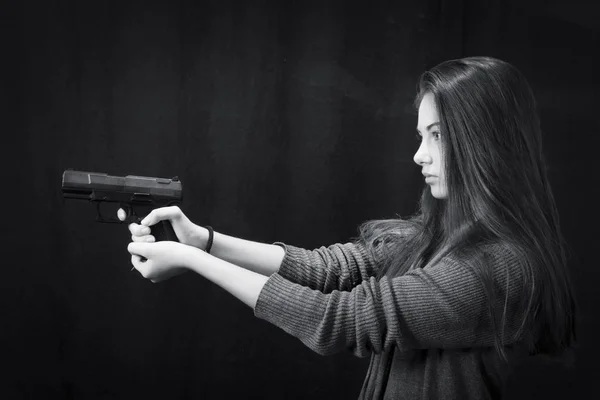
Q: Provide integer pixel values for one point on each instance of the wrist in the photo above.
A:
(205, 237)
(193, 258)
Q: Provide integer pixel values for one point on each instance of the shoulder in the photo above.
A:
(501, 262)
(504, 255)
(494, 257)
(490, 251)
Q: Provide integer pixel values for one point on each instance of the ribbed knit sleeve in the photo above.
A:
(439, 306)
(337, 267)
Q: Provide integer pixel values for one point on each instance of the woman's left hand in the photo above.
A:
(163, 260)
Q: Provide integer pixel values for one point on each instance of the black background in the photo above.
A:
(286, 121)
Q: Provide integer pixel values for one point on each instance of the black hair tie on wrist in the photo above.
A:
(211, 235)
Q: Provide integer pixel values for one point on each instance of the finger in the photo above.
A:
(138, 264)
(135, 260)
(132, 228)
(121, 214)
(143, 238)
(140, 249)
(161, 214)
(139, 230)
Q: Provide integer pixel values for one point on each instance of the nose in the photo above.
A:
(422, 156)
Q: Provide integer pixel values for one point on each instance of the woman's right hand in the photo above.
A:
(187, 232)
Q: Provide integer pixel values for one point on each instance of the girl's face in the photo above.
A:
(429, 154)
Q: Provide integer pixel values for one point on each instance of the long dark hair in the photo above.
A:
(498, 192)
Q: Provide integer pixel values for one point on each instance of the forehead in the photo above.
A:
(427, 112)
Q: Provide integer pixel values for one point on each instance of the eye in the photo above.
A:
(420, 138)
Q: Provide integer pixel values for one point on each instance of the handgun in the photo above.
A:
(136, 195)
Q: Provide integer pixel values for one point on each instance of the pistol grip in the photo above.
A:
(162, 231)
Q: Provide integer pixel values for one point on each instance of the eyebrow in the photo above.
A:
(429, 127)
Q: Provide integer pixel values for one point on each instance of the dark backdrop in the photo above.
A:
(286, 121)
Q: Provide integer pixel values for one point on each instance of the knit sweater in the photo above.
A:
(428, 332)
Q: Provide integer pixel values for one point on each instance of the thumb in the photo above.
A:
(151, 218)
(160, 214)
(140, 249)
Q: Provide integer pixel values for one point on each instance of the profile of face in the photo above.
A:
(429, 154)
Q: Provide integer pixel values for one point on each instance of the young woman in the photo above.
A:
(444, 302)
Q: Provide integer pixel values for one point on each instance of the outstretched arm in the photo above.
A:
(337, 267)
(244, 284)
(163, 260)
(262, 258)
(439, 306)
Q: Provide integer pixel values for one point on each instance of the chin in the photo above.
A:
(439, 196)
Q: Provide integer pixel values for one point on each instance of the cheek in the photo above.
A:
(441, 165)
